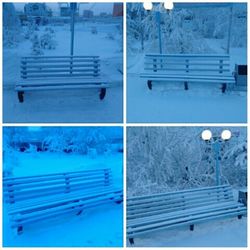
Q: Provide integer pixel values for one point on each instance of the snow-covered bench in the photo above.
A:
(35, 198)
(195, 68)
(60, 72)
(146, 214)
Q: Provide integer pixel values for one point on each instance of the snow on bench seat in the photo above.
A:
(34, 198)
(146, 214)
(196, 68)
(60, 72)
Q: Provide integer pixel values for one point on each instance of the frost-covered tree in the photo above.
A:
(143, 26)
(168, 158)
(11, 26)
(185, 30)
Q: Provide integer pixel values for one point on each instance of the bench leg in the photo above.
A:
(118, 201)
(20, 230)
(131, 241)
(102, 93)
(20, 96)
(149, 84)
(78, 213)
(186, 85)
(223, 87)
(239, 216)
(191, 227)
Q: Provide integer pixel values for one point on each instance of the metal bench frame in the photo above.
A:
(60, 73)
(35, 198)
(195, 68)
(146, 214)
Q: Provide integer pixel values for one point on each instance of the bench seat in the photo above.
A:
(26, 213)
(147, 214)
(188, 68)
(34, 198)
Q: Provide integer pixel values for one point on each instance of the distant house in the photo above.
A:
(36, 12)
(65, 11)
(103, 14)
(36, 9)
(118, 9)
(88, 13)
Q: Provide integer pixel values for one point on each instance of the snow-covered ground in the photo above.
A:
(225, 233)
(167, 102)
(92, 228)
(68, 106)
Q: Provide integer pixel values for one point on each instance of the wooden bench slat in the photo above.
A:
(48, 57)
(214, 70)
(178, 63)
(60, 66)
(68, 70)
(55, 82)
(188, 55)
(58, 87)
(46, 61)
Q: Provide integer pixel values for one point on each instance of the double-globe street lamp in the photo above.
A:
(216, 141)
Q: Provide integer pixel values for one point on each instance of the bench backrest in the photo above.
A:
(30, 187)
(143, 206)
(59, 66)
(187, 64)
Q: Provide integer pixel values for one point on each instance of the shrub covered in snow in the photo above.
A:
(47, 39)
(36, 48)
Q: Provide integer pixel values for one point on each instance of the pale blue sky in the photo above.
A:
(96, 7)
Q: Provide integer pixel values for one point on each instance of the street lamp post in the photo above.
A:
(216, 145)
(73, 7)
(158, 20)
